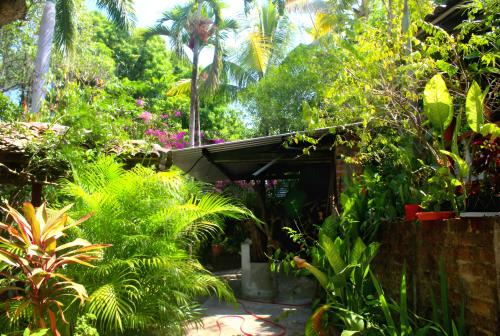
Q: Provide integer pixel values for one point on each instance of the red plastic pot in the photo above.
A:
(216, 250)
(435, 215)
(411, 211)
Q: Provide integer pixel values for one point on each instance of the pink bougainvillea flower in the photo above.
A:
(146, 116)
(164, 116)
(139, 102)
(177, 113)
(149, 131)
(179, 136)
(218, 141)
(179, 145)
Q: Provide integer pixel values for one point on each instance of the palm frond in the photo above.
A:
(65, 29)
(112, 302)
(182, 87)
(121, 12)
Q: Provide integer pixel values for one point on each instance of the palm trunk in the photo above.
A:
(193, 106)
(45, 38)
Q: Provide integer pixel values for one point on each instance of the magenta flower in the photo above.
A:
(218, 141)
(164, 116)
(179, 145)
(179, 136)
(177, 113)
(146, 116)
(139, 102)
(149, 131)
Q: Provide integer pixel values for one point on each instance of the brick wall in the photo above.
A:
(471, 252)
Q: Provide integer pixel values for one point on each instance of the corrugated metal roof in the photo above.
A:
(240, 160)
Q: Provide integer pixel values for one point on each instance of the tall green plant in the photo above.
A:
(342, 269)
(150, 279)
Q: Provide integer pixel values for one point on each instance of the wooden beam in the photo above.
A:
(332, 186)
(36, 194)
(266, 166)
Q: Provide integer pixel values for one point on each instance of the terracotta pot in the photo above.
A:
(411, 211)
(216, 250)
(435, 215)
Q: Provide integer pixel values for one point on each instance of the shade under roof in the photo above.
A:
(258, 158)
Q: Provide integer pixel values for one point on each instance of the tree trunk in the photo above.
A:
(194, 103)
(42, 63)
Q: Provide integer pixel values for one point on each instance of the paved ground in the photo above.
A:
(288, 320)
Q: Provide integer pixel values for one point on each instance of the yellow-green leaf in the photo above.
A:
(438, 104)
(474, 108)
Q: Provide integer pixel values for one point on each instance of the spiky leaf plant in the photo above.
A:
(33, 275)
(148, 282)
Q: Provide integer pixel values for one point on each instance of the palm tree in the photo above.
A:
(59, 22)
(265, 45)
(195, 25)
(148, 281)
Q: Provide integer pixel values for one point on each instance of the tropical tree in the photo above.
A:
(149, 280)
(265, 45)
(194, 26)
(59, 22)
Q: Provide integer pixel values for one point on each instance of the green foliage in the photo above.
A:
(8, 111)
(149, 279)
(438, 105)
(84, 326)
(275, 103)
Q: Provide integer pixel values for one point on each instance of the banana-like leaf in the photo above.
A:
(357, 251)
(438, 105)
(463, 167)
(490, 129)
(333, 253)
(474, 107)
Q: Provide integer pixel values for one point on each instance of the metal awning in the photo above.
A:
(259, 158)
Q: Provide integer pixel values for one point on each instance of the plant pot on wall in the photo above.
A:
(435, 215)
(411, 211)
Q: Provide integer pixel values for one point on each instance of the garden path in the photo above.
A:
(224, 319)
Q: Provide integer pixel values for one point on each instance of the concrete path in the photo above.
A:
(288, 320)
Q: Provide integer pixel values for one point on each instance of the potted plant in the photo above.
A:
(454, 181)
(441, 197)
(218, 244)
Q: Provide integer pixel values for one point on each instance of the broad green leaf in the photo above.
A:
(450, 69)
(492, 129)
(357, 250)
(474, 108)
(438, 105)
(463, 167)
(333, 253)
(349, 332)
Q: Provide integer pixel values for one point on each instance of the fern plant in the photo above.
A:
(148, 281)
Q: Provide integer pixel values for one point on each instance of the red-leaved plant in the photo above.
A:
(34, 260)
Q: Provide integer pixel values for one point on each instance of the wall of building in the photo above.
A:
(470, 249)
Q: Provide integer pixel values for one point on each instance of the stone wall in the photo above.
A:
(470, 249)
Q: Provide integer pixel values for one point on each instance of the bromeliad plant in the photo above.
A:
(33, 263)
